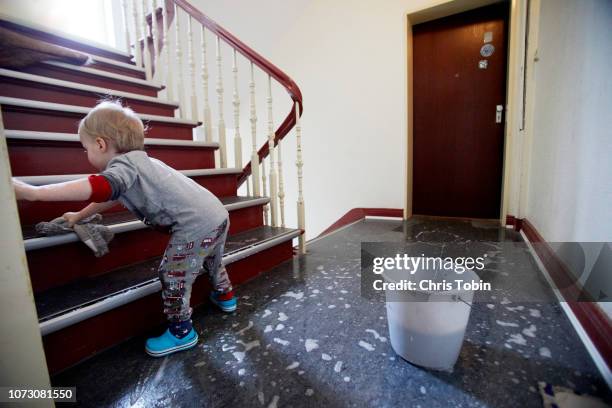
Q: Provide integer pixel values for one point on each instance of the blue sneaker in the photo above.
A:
(167, 343)
(225, 301)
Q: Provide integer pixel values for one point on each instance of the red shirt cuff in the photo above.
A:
(100, 189)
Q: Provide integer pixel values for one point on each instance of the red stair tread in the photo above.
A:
(80, 293)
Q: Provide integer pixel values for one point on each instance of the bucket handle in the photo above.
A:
(458, 298)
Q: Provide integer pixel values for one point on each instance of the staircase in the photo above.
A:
(87, 304)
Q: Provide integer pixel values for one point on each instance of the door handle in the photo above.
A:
(498, 113)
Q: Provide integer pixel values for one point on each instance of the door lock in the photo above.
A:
(498, 113)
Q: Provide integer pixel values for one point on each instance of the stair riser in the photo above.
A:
(116, 70)
(143, 317)
(33, 158)
(17, 88)
(89, 79)
(33, 212)
(40, 120)
(125, 249)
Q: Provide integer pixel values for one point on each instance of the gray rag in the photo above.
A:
(89, 230)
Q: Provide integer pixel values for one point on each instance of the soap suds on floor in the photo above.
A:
(545, 352)
(268, 329)
(366, 345)
(281, 341)
(241, 332)
(506, 324)
(267, 313)
(423, 390)
(248, 346)
(338, 366)
(376, 335)
(293, 365)
(326, 357)
(534, 313)
(530, 331)
(518, 339)
(311, 344)
(274, 401)
(295, 295)
(282, 317)
(309, 392)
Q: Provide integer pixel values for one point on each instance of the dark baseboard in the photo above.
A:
(358, 213)
(592, 318)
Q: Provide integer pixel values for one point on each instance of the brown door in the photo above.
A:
(459, 80)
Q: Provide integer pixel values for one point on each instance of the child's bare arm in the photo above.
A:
(75, 190)
(91, 209)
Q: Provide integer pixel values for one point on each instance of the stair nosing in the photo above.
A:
(99, 72)
(28, 103)
(108, 61)
(128, 295)
(83, 87)
(60, 178)
(64, 35)
(71, 137)
(33, 244)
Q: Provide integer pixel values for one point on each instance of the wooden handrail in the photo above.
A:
(264, 65)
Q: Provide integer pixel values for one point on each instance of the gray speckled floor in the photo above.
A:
(295, 341)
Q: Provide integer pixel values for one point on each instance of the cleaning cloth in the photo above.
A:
(89, 230)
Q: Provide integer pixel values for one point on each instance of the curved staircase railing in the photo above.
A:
(168, 44)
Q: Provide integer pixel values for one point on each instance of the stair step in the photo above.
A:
(124, 221)
(133, 243)
(22, 85)
(39, 153)
(112, 287)
(139, 311)
(116, 67)
(62, 39)
(24, 114)
(221, 182)
(94, 77)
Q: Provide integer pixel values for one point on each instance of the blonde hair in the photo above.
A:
(116, 124)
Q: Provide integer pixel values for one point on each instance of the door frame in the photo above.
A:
(512, 165)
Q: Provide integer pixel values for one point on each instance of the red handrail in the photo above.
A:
(265, 65)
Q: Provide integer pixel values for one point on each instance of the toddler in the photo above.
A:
(163, 198)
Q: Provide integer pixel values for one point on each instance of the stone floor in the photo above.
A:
(303, 336)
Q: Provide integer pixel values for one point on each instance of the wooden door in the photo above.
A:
(459, 82)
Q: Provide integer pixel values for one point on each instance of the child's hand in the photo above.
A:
(24, 191)
(72, 218)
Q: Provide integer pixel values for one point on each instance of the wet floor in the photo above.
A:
(303, 336)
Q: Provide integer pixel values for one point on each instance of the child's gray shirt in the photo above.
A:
(162, 196)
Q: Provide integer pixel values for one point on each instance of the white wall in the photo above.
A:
(348, 58)
(570, 191)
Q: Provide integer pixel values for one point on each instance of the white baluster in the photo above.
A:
(273, 181)
(145, 39)
(155, 35)
(166, 46)
(254, 154)
(281, 187)
(191, 59)
(137, 34)
(299, 163)
(126, 24)
(179, 60)
(222, 142)
(236, 103)
(265, 192)
(207, 117)
(248, 184)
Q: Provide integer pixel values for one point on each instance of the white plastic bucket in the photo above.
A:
(427, 328)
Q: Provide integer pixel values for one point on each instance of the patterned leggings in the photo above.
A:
(182, 264)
